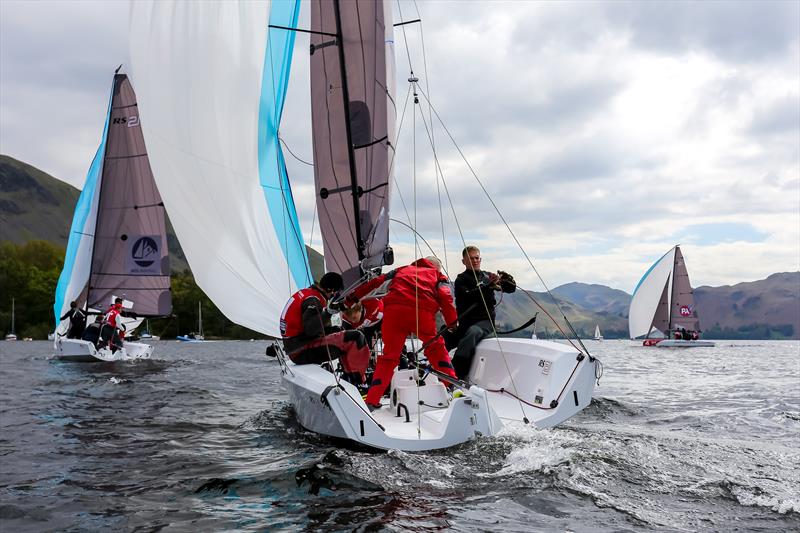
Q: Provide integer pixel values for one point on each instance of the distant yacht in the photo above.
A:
(597, 335)
(117, 243)
(146, 334)
(663, 306)
(12, 336)
(195, 337)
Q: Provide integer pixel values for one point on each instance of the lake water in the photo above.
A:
(202, 438)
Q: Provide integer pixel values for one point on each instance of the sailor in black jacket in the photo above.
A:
(475, 303)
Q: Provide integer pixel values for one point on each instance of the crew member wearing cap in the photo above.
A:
(306, 325)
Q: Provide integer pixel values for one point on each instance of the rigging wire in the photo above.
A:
(290, 151)
(511, 232)
(394, 179)
(433, 136)
(433, 253)
(416, 240)
(477, 282)
(413, 80)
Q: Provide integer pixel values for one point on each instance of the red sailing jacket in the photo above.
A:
(292, 315)
(371, 315)
(418, 285)
(111, 315)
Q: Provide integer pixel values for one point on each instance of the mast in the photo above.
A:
(12, 317)
(350, 148)
(353, 132)
(200, 318)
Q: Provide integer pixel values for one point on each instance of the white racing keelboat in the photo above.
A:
(117, 244)
(221, 171)
(663, 306)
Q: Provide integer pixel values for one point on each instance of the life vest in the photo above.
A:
(112, 316)
(292, 315)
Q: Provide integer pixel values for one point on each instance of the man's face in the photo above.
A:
(329, 293)
(472, 260)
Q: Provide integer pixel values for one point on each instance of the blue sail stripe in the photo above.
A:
(79, 218)
(648, 272)
(271, 164)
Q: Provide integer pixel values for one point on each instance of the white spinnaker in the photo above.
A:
(647, 294)
(198, 70)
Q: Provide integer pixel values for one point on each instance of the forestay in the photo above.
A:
(353, 116)
(211, 92)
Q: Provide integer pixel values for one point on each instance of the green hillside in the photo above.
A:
(33, 204)
(36, 206)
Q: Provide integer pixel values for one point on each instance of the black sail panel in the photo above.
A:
(353, 125)
(661, 316)
(683, 313)
(130, 257)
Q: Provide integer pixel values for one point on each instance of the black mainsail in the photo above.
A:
(353, 118)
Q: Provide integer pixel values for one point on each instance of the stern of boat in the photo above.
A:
(417, 416)
(539, 381)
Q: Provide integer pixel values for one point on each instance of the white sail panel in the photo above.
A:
(647, 294)
(198, 67)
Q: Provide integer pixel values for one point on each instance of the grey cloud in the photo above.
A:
(777, 117)
(733, 31)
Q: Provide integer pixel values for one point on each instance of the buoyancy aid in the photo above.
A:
(112, 316)
(292, 315)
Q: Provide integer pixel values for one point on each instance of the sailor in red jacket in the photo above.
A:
(306, 330)
(416, 292)
(113, 330)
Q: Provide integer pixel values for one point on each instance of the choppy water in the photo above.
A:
(202, 438)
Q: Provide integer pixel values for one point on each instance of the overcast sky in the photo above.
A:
(604, 133)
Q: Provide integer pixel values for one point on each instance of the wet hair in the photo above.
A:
(73, 304)
(469, 248)
(332, 281)
(117, 300)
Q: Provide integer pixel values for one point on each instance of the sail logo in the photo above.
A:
(145, 252)
(144, 255)
(131, 122)
(686, 310)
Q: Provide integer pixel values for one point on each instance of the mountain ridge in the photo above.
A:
(37, 206)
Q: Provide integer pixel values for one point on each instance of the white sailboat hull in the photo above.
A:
(680, 343)
(544, 394)
(339, 411)
(80, 351)
(545, 382)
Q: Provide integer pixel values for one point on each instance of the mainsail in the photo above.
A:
(117, 244)
(211, 88)
(353, 116)
(683, 313)
(663, 299)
